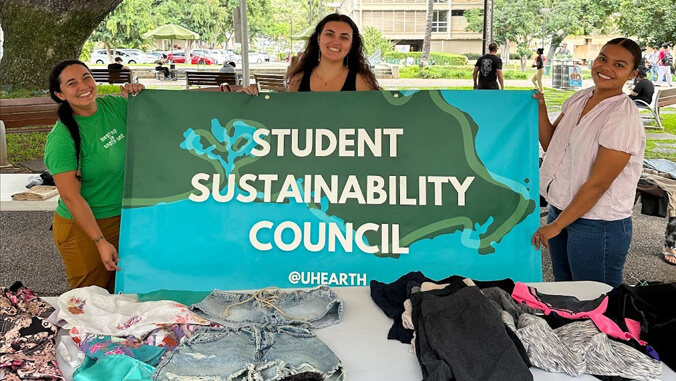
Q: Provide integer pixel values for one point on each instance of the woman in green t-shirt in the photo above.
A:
(85, 154)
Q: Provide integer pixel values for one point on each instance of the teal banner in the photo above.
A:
(231, 191)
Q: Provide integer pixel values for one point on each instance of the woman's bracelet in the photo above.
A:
(99, 238)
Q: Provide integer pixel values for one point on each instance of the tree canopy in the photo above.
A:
(652, 21)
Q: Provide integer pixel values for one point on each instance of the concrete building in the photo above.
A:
(403, 21)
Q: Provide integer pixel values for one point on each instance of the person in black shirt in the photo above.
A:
(644, 88)
(161, 68)
(488, 70)
(117, 65)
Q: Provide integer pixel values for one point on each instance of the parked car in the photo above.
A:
(206, 53)
(254, 57)
(176, 57)
(142, 57)
(156, 55)
(197, 58)
(221, 55)
(101, 57)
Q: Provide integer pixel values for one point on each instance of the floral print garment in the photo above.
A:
(27, 339)
(93, 311)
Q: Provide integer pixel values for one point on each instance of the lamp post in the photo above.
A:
(544, 12)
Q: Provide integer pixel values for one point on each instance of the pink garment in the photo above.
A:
(614, 124)
(530, 295)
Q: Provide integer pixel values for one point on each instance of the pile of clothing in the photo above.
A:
(461, 329)
(263, 335)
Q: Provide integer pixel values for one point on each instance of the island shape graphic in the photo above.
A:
(438, 140)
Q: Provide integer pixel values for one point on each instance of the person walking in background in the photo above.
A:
(653, 59)
(488, 70)
(589, 175)
(664, 63)
(85, 153)
(539, 65)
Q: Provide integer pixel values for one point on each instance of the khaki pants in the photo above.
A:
(79, 253)
(537, 79)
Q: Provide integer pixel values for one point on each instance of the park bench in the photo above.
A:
(661, 98)
(112, 76)
(39, 113)
(270, 82)
(208, 78)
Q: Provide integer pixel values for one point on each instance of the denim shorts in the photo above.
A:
(249, 353)
(315, 308)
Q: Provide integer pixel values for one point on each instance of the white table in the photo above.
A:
(11, 183)
(360, 339)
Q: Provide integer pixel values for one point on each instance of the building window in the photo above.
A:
(440, 1)
(458, 12)
(440, 21)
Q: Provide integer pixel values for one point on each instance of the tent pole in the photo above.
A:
(245, 42)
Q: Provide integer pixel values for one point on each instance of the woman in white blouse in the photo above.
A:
(589, 175)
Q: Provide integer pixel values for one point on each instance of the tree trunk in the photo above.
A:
(427, 42)
(554, 45)
(41, 33)
(524, 59)
(106, 43)
(505, 53)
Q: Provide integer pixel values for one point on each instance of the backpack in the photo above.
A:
(668, 59)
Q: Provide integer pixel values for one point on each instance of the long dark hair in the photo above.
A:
(355, 59)
(630, 45)
(65, 112)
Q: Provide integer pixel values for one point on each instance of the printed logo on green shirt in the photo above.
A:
(112, 139)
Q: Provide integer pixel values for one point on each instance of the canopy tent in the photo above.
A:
(171, 32)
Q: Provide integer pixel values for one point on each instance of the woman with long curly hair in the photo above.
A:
(333, 60)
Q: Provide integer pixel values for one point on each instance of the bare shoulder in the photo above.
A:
(362, 84)
(294, 83)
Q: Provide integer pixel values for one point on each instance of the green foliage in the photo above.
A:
(451, 72)
(511, 74)
(24, 93)
(374, 41)
(108, 89)
(435, 58)
(123, 27)
(86, 53)
(521, 22)
(22, 146)
(21, 93)
(661, 26)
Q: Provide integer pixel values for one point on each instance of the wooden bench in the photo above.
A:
(112, 76)
(270, 82)
(661, 98)
(208, 78)
(28, 112)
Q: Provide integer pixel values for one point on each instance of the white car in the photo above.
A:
(141, 56)
(101, 57)
(254, 57)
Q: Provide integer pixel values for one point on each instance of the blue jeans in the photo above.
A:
(590, 249)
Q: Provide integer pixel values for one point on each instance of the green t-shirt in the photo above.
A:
(102, 156)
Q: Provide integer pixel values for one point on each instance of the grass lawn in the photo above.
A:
(30, 145)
